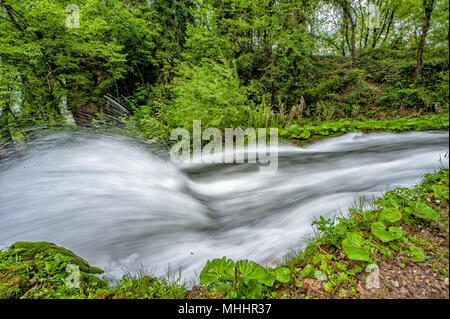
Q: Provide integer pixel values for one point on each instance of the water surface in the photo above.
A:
(122, 207)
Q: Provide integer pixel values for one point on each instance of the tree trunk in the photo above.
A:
(349, 22)
(428, 8)
(5, 133)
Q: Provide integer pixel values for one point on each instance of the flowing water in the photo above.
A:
(124, 207)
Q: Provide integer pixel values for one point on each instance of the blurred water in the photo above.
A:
(116, 203)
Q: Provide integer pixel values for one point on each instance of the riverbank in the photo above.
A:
(396, 249)
(399, 245)
(309, 132)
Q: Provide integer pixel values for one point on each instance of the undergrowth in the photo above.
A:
(316, 130)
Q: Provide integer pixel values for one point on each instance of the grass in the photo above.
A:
(405, 230)
(315, 130)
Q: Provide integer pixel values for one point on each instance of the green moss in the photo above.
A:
(42, 250)
(38, 270)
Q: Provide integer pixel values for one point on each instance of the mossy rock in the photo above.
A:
(38, 270)
(43, 250)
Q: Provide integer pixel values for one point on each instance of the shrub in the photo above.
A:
(209, 92)
(416, 98)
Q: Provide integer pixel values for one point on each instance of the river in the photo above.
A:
(125, 208)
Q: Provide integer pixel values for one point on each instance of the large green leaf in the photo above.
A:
(269, 280)
(305, 134)
(390, 215)
(283, 274)
(424, 211)
(352, 246)
(379, 230)
(307, 272)
(217, 269)
(248, 270)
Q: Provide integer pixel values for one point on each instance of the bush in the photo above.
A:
(209, 92)
(416, 98)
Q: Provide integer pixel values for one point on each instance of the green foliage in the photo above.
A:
(246, 276)
(417, 254)
(379, 230)
(143, 286)
(38, 270)
(307, 272)
(283, 274)
(228, 64)
(390, 215)
(423, 211)
(216, 270)
(437, 122)
(248, 270)
(410, 98)
(353, 247)
(210, 93)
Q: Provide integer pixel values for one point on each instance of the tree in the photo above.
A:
(269, 40)
(428, 6)
(113, 43)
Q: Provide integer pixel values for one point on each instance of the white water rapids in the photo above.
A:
(118, 205)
